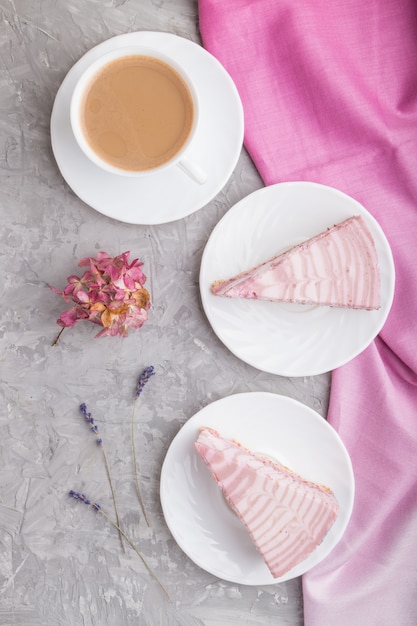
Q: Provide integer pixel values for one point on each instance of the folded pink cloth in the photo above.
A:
(329, 90)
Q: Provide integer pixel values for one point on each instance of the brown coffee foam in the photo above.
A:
(137, 113)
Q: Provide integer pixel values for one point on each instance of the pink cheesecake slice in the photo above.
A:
(286, 516)
(338, 267)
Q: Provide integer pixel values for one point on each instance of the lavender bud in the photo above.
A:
(143, 379)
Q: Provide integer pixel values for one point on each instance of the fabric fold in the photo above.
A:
(329, 91)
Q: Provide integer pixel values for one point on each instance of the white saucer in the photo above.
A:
(278, 427)
(170, 195)
(280, 338)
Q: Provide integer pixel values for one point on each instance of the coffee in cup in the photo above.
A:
(135, 112)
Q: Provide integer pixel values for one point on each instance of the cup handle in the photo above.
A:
(193, 171)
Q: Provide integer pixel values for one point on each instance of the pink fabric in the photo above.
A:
(329, 90)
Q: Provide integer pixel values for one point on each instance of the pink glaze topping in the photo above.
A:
(338, 267)
(286, 516)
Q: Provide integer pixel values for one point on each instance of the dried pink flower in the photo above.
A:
(110, 293)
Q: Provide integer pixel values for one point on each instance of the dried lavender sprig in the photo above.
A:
(89, 419)
(94, 429)
(143, 379)
(94, 505)
(82, 498)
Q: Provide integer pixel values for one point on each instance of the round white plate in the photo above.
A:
(279, 427)
(169, 195)
(280, 338)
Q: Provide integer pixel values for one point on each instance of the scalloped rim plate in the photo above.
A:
(281, 338)
(279, 427)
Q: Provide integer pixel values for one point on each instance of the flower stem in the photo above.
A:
(57, 337)
(106, 463)
(135, 467)
(94, 429)
(80, 497)
(140, 555)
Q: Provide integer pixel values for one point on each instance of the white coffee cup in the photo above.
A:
(180, 158)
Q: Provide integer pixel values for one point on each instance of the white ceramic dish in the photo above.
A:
(196, 513)
(171, 194)
(280, 338)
